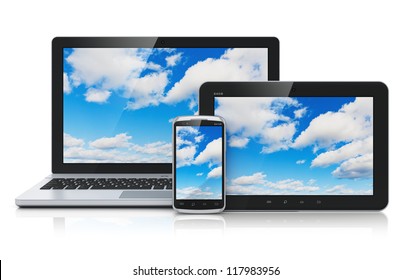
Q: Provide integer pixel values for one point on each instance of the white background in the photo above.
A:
(354, 41)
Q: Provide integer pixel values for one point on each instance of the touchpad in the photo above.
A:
(146, 194)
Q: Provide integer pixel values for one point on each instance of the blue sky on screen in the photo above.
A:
(118, 103)
(298, 146)
(198, 162)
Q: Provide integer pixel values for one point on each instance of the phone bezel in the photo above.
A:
(196, 205)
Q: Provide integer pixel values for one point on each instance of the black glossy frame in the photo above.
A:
(59, 43)
(377, 90)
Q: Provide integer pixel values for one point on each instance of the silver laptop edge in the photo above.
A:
(96, 198)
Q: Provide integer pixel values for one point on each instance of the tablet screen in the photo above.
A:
(298, 145)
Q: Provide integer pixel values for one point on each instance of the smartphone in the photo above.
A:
(199, 164)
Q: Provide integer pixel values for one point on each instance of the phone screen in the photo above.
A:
(199, 164)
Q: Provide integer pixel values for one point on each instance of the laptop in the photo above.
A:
(113, 101)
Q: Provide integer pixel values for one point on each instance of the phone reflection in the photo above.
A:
(186, 225)
(166, 222)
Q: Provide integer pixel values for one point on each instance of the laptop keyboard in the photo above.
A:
(109, 184)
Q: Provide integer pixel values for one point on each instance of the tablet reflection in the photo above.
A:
(376, 221)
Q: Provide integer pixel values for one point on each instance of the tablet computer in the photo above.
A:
(303, 145)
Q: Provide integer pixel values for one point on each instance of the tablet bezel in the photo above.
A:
(377, 90)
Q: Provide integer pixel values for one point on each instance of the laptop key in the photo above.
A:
(108, 184)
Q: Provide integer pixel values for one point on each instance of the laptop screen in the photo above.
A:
(118, 103)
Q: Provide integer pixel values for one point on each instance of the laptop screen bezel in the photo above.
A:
(58, 45)
(378, 91)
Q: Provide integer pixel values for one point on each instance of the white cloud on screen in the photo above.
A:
(215, 173)
(167, 50)
(350, 150)
(193, 192)
(80, 154)
(108, 67)
(343, 190)
(339, 136)
(180, 141)
(351, 126)
(234, 65)
(291, 184)
(353, 121)
(248, 116)
(146, 91)
(70, 141)
(358, 167)
(256, 184)
(184, 130)
(159, 147)
(298, 114)
(66, 84)
(92, 155)
(153, 66)
(211, 153)
(172, 60)
(119, 141)
(185, 155)
(199, 138)
(114, 149)
(186, 141)
(301, 161)
(361, 107)
(256, 178)
(311, 181)
(263, 121)
(238, 142)
(277, 138)
(250, 190)
(97, 95)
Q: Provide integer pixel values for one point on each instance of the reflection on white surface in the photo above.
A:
(103, 222)
(186, 225)
(165, 222)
